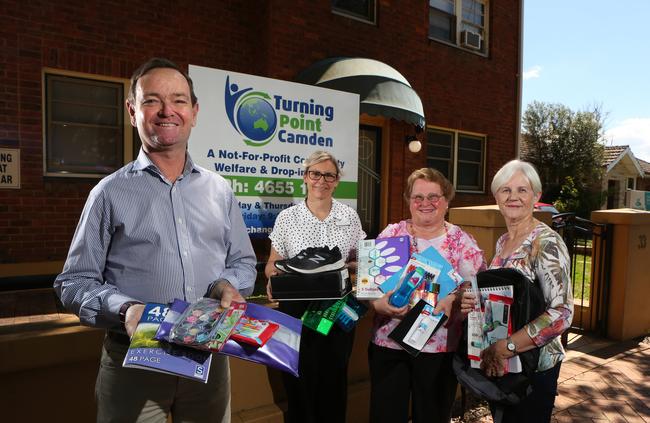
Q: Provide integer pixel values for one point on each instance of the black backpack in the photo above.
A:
(528, 303)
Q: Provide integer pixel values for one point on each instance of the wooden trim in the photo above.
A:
(31, 268)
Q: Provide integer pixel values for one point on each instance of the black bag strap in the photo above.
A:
(497, 416)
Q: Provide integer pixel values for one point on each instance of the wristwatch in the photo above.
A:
(124, 308)
(511, 346)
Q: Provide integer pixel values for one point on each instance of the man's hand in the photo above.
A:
(132, 318)
(227, 293)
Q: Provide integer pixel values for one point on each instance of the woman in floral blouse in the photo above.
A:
(428, 379)
(538, 252)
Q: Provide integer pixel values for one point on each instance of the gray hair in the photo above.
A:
(319, 157)
(509, 169)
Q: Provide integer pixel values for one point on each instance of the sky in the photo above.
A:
(586, 53)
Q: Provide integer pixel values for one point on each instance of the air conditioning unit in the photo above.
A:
(471, 39)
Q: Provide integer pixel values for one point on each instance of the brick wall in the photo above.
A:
(274, 38)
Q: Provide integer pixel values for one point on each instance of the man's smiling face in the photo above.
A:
(163, 110)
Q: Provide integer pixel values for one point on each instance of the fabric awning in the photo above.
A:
(382, 90)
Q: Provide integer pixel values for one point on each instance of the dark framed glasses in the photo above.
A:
(315, 175)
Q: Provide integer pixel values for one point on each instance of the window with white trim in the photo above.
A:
(363, 10)
(459, 22)
(87, 132)
(459, 156)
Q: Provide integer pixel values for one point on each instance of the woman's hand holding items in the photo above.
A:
(382, 306)
(493, 361)
(468, 301)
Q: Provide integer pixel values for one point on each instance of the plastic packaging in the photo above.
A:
(402, 294)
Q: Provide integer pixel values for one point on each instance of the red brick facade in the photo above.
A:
(460, 90)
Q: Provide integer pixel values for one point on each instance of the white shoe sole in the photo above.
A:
(325, 268)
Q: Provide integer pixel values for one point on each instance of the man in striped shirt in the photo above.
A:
(159, 228)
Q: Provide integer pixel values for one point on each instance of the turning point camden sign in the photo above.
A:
(256, 133)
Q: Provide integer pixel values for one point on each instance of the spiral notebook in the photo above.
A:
(377, 260)
(490, 324)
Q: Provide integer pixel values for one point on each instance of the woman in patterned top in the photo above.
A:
(427, 380)
(538, 252)
(320, 393)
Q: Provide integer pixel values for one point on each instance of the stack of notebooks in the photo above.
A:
(419, 281)
(180, 338)
(489, 322)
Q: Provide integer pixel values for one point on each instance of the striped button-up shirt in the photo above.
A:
(143, 238)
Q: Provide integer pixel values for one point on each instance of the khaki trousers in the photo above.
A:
(134, 395)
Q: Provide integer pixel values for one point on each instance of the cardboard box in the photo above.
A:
(330, 285)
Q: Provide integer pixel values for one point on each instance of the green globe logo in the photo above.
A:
(250, 113)
(256, 119)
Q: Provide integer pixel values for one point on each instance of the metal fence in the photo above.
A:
(589, 246)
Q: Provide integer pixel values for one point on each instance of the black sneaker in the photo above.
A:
(316, 260)
(282, 266)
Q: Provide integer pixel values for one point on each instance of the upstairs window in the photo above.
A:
(363, 10)
(87, 131)
(459, 156)
(459, 22)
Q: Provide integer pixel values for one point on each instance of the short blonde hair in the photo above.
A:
(319, 157)
(506, 172)
(430, 175)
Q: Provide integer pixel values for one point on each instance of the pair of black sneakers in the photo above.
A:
(313, 260)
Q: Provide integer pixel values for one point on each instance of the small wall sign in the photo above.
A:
(9, 168)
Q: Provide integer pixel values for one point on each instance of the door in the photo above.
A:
(369, 185)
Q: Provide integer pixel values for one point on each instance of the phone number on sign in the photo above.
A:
(242, 185)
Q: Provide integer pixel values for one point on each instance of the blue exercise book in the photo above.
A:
(146, 352)
(430, 260)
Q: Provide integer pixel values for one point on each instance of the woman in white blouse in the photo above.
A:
(320, 394)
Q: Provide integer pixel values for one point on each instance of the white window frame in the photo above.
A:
(127, 130)
(455, 153)
(460, 25)
(343, 12)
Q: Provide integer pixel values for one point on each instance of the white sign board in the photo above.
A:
(256, 133)
(9, 168)
(639, 200)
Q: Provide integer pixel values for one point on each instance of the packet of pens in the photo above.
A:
(206, 325)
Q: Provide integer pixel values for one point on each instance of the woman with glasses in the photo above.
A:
(538, 252)
(320, 393)
(427, 380)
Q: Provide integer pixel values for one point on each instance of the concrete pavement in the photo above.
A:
(600, 381)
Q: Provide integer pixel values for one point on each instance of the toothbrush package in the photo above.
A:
(419, 324)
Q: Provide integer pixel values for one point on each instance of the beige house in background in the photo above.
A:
(643, 183)
(622, 172)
